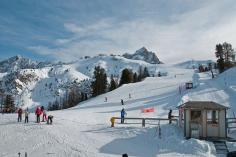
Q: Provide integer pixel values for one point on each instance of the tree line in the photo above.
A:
(7, 104)
(225, 55)
(100, 83)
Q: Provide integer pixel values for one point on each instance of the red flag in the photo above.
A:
(146, 110)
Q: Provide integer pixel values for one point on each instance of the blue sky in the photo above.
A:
(176, 30)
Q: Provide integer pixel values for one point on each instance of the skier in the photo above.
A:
(129, 95)
(105, 99)
(19, 114)
(49, 120)
(170, 116)
(122, 114)
(26, 116)
(38, 112)
(42, 108)
(44, 115)
(122, 102)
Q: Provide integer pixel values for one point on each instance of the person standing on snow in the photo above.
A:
(42, 109)
(44, 115)
(122, 102)
(170, 116)
(38, 112)
(27, 116)
(19, 114)
(122, 115)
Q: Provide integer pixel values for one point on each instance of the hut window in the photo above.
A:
(212, 116)
(195, 115)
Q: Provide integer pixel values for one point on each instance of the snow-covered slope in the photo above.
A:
(114, 65)
(31, 87)
(38, 83)
(192, 64)
(85, 129)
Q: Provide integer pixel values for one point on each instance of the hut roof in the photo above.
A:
(202, 105)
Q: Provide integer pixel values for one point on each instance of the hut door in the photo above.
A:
(196, 123)
(212, 123)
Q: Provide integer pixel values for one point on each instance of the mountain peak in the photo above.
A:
(143, 54)
(143, 49)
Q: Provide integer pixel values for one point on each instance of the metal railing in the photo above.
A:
(144, 120)
(229, 122)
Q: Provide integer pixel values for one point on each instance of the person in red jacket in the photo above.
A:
(38, 112)
(19, 114)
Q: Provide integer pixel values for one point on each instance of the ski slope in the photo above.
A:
(85, 130)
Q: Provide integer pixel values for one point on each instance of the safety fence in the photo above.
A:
(144, 121)
(231, 124)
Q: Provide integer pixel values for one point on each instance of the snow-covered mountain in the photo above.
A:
(114, 65)
(144, 55)
(31, 87)
(17, 62)
(38, 83)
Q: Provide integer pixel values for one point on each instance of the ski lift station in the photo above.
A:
(203, 119)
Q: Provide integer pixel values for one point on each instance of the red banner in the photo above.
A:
(146, 110)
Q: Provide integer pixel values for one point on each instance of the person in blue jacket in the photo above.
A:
(122, 115)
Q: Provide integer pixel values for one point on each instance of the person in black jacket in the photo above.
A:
(170, 116)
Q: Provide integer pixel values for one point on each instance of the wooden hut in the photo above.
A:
(203, 119)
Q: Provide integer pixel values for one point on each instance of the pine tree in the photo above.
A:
(145, 73)
(9, 104)
(220, 55)
(228, 55)
(140, 74)
(113, 84)
(99, 85)
(126, 76)
(135, 77)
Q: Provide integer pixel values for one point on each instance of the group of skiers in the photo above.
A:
(20, 112)
(38, 112)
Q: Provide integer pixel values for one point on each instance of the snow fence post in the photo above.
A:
(143, 122)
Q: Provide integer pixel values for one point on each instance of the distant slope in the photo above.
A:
(191, 64)
(114, 65)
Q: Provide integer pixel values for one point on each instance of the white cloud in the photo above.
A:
(192, 34)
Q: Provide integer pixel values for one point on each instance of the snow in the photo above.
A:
(47, 82)
(85, 130)
(46, 85)
(113, 65)
(2, 75)
(194, 64)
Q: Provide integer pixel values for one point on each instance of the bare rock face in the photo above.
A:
(144, 55)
